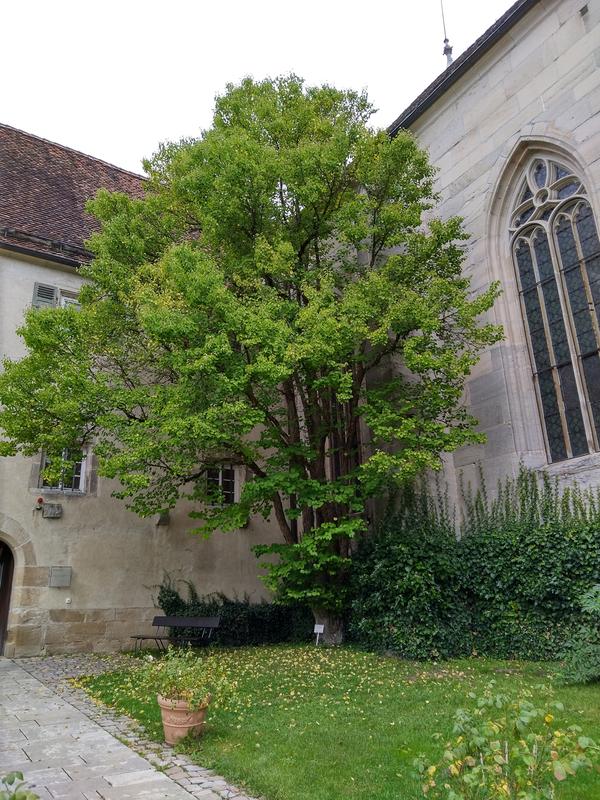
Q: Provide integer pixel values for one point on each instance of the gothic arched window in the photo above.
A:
(556, 251)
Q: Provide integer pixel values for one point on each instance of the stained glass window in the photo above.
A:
(540, 173)
(556, 251)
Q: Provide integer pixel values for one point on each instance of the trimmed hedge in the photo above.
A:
(509, 587)
(242, 622)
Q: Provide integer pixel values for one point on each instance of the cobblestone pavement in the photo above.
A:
(68, 748)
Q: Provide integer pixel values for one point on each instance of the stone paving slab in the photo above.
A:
(69, 748)
(81, 772)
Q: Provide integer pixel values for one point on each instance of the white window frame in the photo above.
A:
(61, 488)
(210, 480)
(67, 298)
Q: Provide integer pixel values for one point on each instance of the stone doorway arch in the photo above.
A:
(24, 631)
(7, 566)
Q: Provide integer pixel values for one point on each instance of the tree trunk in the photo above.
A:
(333, 632)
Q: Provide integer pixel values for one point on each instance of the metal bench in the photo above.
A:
(179, 631)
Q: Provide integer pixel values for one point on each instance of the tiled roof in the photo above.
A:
(43, 189)
(463, 63)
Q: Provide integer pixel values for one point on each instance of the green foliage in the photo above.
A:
(529, 555)
(590, 602)
(238, 312)
(508, 588)
(582, 651)
(13, 788)
(182, 675)
(407, 585)
(506, 748)
(242, 622)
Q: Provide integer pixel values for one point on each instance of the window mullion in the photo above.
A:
(549, 343)
(534, 372)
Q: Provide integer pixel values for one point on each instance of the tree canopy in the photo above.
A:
(276, 300)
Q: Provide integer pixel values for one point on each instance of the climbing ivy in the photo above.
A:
(508, 586)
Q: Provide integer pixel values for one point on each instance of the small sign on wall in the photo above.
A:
(60, 577)
(52, 510)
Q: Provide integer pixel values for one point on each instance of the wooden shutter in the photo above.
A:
(44, 296)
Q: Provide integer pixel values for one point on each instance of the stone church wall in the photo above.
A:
(539, 86)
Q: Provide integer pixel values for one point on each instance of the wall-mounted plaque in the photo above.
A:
(52, 510)
(60, 577)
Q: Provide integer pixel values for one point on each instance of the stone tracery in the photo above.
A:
(556, 252)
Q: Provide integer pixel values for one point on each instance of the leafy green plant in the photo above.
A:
(509, 587)
(506, 749)
(183, 675)
(13, 788)
(582, 652)
(407, 585)
(242, 622)
(528, 554)
(590, 602)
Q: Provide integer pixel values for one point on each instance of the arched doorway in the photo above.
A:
(6, 573)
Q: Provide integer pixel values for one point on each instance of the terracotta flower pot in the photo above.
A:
(179, 720)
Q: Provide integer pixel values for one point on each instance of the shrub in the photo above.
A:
(582, 653)
(406, 585)
(527, 556)
(506, 748)
(508, 587)
(242, 622)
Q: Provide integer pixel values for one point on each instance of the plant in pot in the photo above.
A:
(185, 683)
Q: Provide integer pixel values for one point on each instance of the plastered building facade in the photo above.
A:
(513, 127)
(88, 579)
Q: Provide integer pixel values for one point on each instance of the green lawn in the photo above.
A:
(311, 723)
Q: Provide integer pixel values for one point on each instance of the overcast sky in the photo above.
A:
(113, 78)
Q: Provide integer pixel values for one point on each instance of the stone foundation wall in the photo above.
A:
(47, 632)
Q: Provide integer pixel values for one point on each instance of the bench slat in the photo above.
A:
(186, 622)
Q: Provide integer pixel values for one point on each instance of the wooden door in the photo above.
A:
(6, 574)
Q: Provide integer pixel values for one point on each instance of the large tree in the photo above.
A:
(276, 301)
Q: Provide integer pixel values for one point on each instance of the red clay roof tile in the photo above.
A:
(43, 190)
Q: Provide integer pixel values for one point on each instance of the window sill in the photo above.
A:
(573, 466)
(60, 492)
